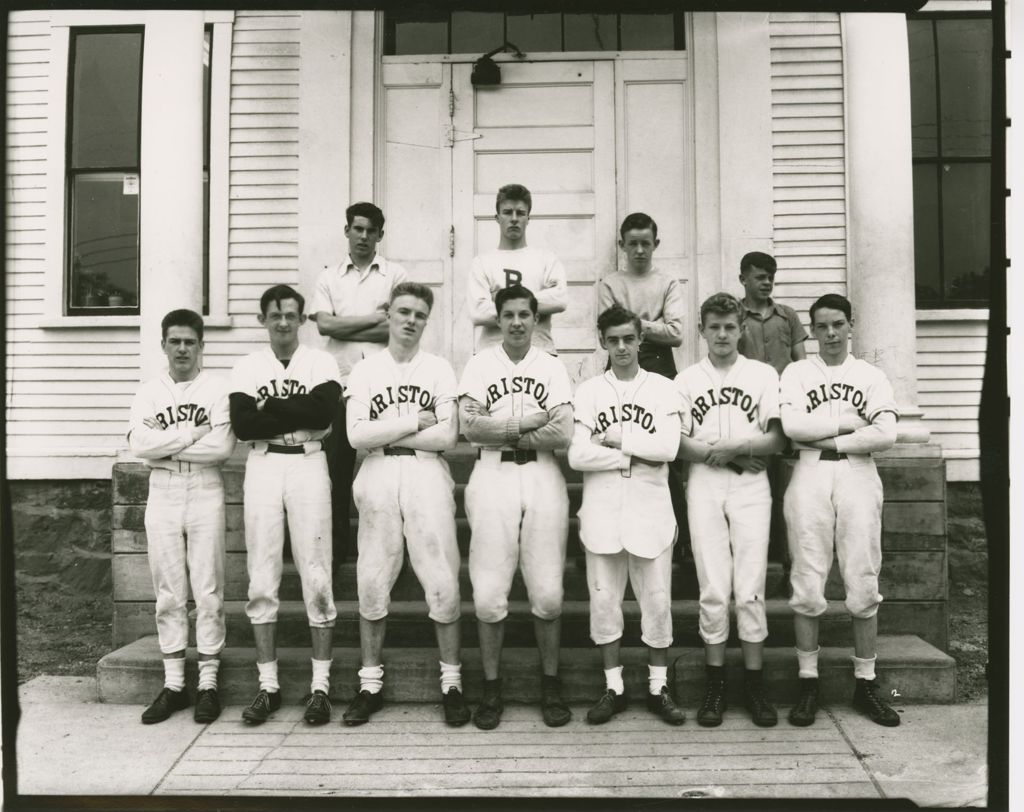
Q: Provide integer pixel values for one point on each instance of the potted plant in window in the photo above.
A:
(115, 297)
(94, 287)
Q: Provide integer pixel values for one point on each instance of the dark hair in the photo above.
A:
(413, 289)
(638, 220)
(515, 292)
(367, 210)
(757, 259)
(616, 315)
(277, 294)
(833, 301)
(182, 317)
(514, 191)
(721, 304)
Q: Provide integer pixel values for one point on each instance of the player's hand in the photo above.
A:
(722, 453)
(828, 444)
(533, 421)
(425, 419)
(849, 423)
(152, 423)
(201, 431)
(613, 436)
(751, 464)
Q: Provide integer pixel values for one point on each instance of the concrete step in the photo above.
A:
(409, 626)
(909, 670)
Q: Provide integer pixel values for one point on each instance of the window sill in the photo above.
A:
(79, 322)
(954, 314)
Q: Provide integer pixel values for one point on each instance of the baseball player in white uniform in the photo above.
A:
(516, 405)
(402, 408)
(626, 431)
(837, 409)
(515, 263)
(180, 426)
(730, 417)
(282, 400)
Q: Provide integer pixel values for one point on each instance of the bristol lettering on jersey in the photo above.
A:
(824, 393)
(726, 396)
(183, 412)
(287, 388)
(519, 384)
(397, 395)
(627, 413)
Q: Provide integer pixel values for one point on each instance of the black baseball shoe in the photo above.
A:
(868, 702)
(552, 707)
(606, 707)
(318, 709)
(761, 711)
(207, 706)
(665, 708)
(166, 703)
(361, 707)
(488, 712)
(456, 711)
(261, 707)
(714, 704)
(803, 712)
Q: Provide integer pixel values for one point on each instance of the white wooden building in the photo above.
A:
(789, 133)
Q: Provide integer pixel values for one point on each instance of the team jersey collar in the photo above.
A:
(504, 356)
(167, 379)
(711, 369)
(640, 377)
(299, 351)
(847, 362)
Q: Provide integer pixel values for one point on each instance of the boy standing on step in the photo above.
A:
(837, 409)
(180, 426)
(627, 430)
(515, 404)
(730, 415)
(283, 398)
(402, 408)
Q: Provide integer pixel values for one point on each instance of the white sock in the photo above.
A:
(268, 677)
(613, 679)
(371, 678)
(208, 674)
(657, 678)
(451, 677)
(321, 676)
(808, 662)
(174, 673)
(864, 668)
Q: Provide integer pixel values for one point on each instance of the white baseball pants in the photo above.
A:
(730, 517)
(185, 542)
(652, 585)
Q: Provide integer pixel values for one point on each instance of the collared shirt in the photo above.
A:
(344, 290)
(771, 338)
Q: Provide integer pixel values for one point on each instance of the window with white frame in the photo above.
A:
(951, 125)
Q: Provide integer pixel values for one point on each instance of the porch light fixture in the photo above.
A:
(486, 70)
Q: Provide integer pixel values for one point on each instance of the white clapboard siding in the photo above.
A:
(950, 372)
(809, 188)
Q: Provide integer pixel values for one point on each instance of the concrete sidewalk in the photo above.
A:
(70, 744)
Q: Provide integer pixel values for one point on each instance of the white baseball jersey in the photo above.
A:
(178, 408)
(626, 507)
(385, 397)
(538, 383)
(814, 396)
(536, 269)
(261, 375)
(728, 405)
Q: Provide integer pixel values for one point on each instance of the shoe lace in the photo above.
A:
(712, 699)
(262, 700)
(873, 699)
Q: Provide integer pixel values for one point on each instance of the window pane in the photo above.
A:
(648, 32)
(420, 37)
(104, 240)
(927, 265)
(535, 32)
(590, 32)
(924, 128)
(966, 229)
(105, 100)
(477, 32)
(965, 85)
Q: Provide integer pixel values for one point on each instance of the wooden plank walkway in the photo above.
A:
(406, 750)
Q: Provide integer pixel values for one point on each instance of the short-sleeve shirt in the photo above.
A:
(344, 290)
(771, 339)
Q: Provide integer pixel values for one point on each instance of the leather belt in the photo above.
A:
(285, 449)
(828, 455)
(398, 452)
(520, 456)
